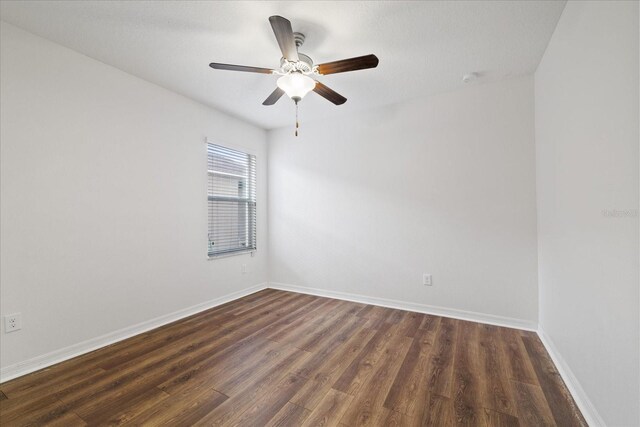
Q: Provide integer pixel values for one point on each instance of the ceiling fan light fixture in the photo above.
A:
(296, 67)
(296, 85)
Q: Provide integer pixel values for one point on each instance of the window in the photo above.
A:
(231, 196)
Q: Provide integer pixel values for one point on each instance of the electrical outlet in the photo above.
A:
(244, 268)
(426, 280)
(12, 322)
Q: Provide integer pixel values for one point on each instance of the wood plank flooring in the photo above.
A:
(279, 358)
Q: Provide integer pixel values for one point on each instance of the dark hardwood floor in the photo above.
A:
(288, 359)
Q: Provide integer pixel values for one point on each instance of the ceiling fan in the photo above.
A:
(298, 71)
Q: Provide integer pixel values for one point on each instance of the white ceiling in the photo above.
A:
(424, 47)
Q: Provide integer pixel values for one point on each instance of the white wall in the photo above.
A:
(367, 203)
(587, 162)
(104, 215)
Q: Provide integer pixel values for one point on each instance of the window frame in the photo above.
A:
(248, 151)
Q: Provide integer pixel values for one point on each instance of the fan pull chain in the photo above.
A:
(297, 124)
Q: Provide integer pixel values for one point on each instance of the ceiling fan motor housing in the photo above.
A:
(304, 64)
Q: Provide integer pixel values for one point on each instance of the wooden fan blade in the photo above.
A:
(284, 35)
(351, 64)
(231, 67)
(329, 94)
(274, 97)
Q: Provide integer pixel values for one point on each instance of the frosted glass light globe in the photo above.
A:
(296, 85)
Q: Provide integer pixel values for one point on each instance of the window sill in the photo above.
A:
(230, 254)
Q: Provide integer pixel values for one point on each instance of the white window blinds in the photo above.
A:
(231, 200)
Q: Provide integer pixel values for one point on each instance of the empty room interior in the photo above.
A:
(320, 213)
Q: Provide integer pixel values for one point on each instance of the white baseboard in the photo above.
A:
(410, 306)
(584, 404)
(587, 408)
(39, 362)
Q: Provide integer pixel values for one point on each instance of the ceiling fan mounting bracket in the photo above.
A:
(299, 39)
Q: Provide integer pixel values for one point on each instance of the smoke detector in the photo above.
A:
(468, 78)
